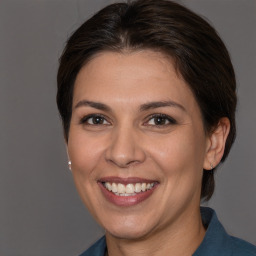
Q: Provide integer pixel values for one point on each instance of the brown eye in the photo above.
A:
(160, 120)
(94, 120)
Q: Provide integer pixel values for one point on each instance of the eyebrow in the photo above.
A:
(143, 107)
(97, 105)
(159, 104)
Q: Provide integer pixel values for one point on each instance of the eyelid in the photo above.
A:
(84, 119)
(171, 120)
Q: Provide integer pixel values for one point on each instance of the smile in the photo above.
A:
(120, 189)
(126, 191)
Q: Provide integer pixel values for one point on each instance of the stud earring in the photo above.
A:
(69, 165)
(211, 166)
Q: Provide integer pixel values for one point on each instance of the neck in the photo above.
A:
(181, 239)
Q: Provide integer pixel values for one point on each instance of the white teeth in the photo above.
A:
(129, 189)
(114, 187)
(120, 188)
(137, 187)
(108, 186)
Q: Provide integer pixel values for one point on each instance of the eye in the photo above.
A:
(94, 119)
(160, 120)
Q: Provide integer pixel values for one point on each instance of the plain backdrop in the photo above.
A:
(40, 211)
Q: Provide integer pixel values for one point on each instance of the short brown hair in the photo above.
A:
(199, 54)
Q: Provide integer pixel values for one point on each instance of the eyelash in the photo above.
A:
(85, 119)
(165, 118)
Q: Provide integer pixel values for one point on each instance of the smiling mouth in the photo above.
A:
(129, 189)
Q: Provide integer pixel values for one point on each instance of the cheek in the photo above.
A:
(180, 154)
(84, 152)
(181, 164)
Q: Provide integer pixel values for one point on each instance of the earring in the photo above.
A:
(69, 165)
(211, 166)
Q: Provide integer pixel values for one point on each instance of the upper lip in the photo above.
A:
(125, 181)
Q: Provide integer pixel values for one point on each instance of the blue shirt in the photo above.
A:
(215, 243)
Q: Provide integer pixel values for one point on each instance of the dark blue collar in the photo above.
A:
(216, 241)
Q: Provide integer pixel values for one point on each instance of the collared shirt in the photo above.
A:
(215, 243)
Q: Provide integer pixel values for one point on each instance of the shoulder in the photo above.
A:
(97, 249)
(241, 247)
(218, 242)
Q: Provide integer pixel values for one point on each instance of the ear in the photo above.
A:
(216, 144)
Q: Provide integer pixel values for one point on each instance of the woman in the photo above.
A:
(147, 96)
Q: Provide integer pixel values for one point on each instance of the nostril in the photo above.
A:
(123, 164)
(125, 148)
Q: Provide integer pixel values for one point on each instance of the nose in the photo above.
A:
(125, 148)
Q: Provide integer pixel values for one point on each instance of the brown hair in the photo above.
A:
(199, 54)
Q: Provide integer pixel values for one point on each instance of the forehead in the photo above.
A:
(129, 61)
(143, 75)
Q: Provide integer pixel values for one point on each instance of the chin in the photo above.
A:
(128, 234)
(129, 230)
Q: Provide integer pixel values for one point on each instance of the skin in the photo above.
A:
(128, 143)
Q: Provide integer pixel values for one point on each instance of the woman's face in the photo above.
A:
(136, 142)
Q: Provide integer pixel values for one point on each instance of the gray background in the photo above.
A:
(40, 211)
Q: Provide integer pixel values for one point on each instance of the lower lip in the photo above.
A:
(126, 200)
